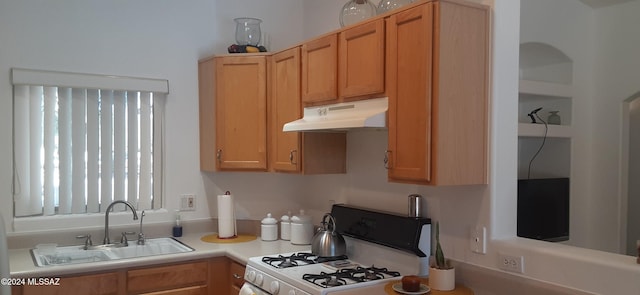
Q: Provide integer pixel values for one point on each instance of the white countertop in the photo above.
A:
(21, 262)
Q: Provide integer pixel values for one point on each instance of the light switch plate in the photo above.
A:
(478, 239)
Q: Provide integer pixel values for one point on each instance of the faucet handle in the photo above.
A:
(123, 240)
(141, 239)
(87, 242)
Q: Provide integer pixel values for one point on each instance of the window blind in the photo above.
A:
(82, 141)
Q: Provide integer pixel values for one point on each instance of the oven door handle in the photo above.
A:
(248, 289)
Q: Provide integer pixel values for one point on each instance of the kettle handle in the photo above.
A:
(325, 224)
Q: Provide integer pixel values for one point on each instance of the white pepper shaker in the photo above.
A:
(269, 228)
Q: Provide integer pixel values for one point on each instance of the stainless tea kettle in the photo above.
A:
(327, 242)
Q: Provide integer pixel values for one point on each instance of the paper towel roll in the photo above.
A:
(226, 216)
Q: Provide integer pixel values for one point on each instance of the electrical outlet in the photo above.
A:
(478, 240)
(511, 263)
(187, 202)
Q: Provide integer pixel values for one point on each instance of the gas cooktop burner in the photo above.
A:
(296, 259)
(349, 276)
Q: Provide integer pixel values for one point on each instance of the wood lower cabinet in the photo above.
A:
(296, 152)
(234, 88)
(236, 277)
(213, 276)
(101, 284)
(184, 278)
(438, 93)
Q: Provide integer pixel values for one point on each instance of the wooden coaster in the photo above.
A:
(213, 238)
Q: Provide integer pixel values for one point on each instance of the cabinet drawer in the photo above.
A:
(167, 277)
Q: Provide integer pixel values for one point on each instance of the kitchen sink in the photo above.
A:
(68, 255)
(53, 255)
(151, 247)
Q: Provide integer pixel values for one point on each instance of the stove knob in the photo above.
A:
(292, 292)
(251, 276)
(275, 287)
(259, 279)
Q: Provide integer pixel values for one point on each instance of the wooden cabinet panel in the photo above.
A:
(461, 62)
(285, 107)
(320, 70)
(16, 290)
(236, 276)
(206, 109)
(177, 276)
(437, 68)
(361, 61)
(241, 112)
(324, 153)
(103, 284)
(219, 282)
(409, 68)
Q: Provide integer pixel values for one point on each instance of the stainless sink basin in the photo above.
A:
(51, 255)
(151, 247)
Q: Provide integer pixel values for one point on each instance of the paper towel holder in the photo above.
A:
(233, 224)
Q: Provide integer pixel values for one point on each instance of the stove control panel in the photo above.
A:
(269, 283)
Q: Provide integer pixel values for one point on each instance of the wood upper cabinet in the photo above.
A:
(343, 66)
(236, 88)
(437, 77)
(285, 107)
(320, 70)
(308, 153)
(361, 61)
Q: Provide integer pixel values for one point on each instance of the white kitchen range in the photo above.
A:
(380, 247)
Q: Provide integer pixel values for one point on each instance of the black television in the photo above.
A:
(543, 209)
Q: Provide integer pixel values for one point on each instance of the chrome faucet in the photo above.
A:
(106, 219)
(140, 233)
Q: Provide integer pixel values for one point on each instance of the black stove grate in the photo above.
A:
(298, 259)
(348, 276)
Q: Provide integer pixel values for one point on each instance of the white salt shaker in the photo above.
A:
(285, 227)
(269, 228)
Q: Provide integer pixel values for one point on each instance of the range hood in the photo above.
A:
(370, 113)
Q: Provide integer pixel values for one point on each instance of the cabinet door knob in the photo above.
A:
(387, 165)
(237, 276)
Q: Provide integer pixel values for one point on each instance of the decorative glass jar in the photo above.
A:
(248, 31)
(355, 11)
(388, 5)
